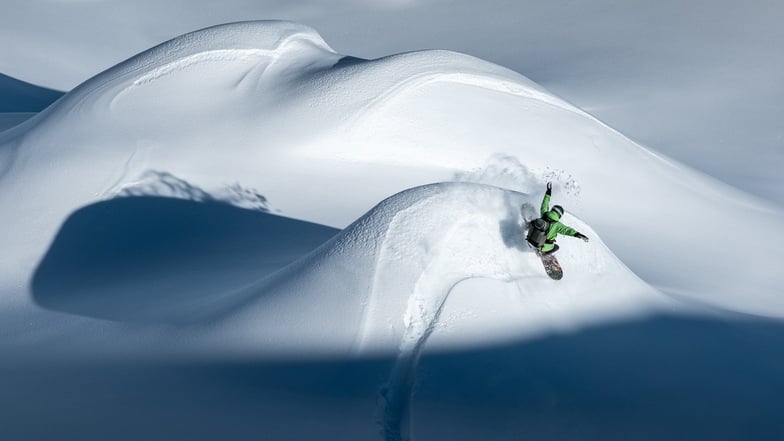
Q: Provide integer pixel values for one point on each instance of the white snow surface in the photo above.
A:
(697, 81)
(269, 107)
(385, 282)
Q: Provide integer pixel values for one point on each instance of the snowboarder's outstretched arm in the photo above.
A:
(566, 230)
(581, 236)
(569, 231)
(546, 201)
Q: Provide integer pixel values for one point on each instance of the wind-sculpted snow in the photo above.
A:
(268, 106)
(180, 204)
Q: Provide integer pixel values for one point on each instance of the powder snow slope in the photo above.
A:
(388, 275)
(268, 106)
(384, 286)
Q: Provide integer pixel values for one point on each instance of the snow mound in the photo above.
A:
(261, 105)
(321, 137)
(381, 284)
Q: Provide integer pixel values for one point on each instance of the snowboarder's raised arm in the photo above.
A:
(546, 201)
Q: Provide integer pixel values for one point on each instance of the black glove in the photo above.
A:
(550, 188)
(581, 236)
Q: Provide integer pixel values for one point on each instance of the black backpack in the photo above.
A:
(537, 232)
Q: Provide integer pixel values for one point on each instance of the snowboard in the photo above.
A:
(551, 266)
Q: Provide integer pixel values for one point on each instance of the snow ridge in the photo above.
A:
(404, 259)
(486, 81)
(392, 271)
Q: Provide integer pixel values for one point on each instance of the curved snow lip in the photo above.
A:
(225, 42)
(485, 80)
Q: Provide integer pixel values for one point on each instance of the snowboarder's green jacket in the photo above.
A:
(556, 227)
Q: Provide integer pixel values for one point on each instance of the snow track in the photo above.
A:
(424, 307)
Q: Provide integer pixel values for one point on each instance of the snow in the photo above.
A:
(698, 82)
(11, 119)
(389, 274)
(244, 193)
(267, 108)
(20, 101)
(284, 110)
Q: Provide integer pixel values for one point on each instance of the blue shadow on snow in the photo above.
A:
(661, 378)
(156, 259)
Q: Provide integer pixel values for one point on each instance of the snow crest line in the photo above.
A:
(201, 57)
(225, 55)
(228, 54)
(484, 81)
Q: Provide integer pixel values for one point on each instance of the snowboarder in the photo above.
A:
(542, 232)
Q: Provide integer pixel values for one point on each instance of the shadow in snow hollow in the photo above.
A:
(165, 260)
